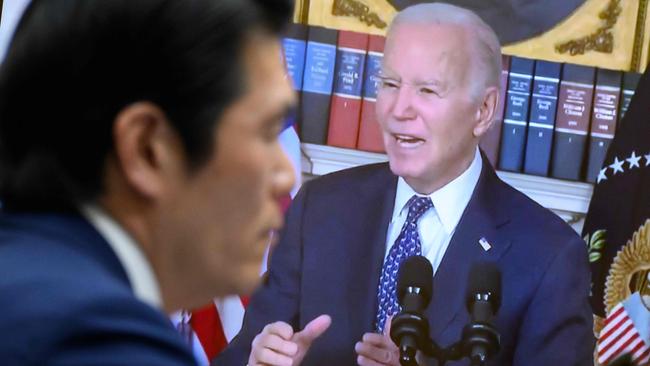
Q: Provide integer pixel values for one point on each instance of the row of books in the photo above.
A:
(553, 119)
(557, 119)
(336, 75)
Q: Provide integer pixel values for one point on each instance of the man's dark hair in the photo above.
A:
(74, 64)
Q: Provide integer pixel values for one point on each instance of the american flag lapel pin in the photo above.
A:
(485, 244)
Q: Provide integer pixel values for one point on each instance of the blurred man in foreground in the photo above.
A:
(140, 171)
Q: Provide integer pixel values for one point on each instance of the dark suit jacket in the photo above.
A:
(330, 255)
(65, 300)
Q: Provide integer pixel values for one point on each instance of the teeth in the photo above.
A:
(407, 139)
(408, 142)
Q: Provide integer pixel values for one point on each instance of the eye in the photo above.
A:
(389, 84)
(272, 130)
(428, 91)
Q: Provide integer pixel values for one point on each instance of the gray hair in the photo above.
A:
(488, 49)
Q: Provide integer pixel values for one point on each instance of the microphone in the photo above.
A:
(409, 328)
(481, 340)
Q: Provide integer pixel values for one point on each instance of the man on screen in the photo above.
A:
(330, 291)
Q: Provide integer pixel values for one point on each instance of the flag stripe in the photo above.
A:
(614, 328)
(636, 349)
(644, 357)
(615, 337)
(614, 316)
(244, 301)
(620, 336)
(208, 328)
(231, 312)
(618, 344)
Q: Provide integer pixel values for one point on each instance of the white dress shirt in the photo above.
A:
(137, 267)
(437, 225)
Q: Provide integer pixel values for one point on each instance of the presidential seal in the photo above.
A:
(630, 270)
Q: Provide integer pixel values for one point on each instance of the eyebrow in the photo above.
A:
(385, 77)
(434, 82)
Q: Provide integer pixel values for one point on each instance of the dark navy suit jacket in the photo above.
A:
(65, 300)
(330, 255)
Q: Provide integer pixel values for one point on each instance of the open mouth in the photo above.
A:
(408, 141)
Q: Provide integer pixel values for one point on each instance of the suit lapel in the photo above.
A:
(367, 254)
(481, 219)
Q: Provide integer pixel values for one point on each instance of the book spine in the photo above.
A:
(345, 108)
(370, 135)
(630, 82)
(542, 118)
(294, 44)
(317, 84)
(513, 137)
(603, 120)
(572, 122)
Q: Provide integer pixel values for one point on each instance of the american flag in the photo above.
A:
(626, 332)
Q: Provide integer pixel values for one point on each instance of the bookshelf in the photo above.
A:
(569, 200)
(622, 24)
(626, 45)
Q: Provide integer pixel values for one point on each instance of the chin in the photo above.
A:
(249, 284)
(402, 168)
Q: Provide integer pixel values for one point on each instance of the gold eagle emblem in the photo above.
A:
(628, 274)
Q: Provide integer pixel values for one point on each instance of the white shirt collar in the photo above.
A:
(135, 263)
(449, 201)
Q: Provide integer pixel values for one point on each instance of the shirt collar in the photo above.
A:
(449, 201)
(135, 263)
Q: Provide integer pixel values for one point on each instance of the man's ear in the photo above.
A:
(486, 111)
(147, 150)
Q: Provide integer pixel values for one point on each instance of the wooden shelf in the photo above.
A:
(570, 200)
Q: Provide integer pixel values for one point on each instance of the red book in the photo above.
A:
(370, 136)
(603, 120)
(572, 121)
(491, 140)
(346, 98)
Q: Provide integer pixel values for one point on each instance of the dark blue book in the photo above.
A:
(546, 85)
(630, 82)
(513, 134)
(572, 122)
(317, 83)
(604, 118)
(294, 44)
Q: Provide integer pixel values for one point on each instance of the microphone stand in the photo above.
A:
(412, 325)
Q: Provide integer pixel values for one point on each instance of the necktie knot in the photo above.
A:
(417, 207)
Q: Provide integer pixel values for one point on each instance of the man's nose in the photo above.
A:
(284, 176)
(403, 107)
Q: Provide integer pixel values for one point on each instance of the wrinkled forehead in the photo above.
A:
(428, 34)
(428, 51)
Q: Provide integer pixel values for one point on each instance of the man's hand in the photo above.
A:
(377, 349)
(278, 345)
